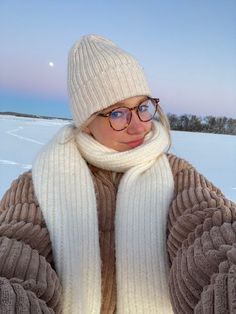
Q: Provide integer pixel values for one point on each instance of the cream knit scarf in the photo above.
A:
(66, 194)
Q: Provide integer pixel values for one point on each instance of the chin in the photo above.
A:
(124, 149)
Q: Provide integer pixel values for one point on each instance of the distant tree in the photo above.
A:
(207, 124)
(195, 123)
(231, 126)
(210, 123)
(184, 121)
(173, 119)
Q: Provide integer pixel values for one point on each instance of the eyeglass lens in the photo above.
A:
(121, 117)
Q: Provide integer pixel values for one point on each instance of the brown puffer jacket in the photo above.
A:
(201, 242)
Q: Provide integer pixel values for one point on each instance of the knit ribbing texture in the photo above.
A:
(101, 74)
(65, 191)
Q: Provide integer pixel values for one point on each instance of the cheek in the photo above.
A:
(98, 128)
(148, 127)
(102, 132)
(108, 137)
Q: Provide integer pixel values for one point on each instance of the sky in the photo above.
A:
(186, 47)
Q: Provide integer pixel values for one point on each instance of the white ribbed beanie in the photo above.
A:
(101, 74)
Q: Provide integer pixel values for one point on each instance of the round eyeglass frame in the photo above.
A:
(155, 101)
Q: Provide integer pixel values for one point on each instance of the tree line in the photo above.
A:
(208, 124)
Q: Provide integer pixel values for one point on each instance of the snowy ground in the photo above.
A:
(21, 139)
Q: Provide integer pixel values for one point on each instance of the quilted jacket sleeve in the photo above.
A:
(28, 282)
(201, 244)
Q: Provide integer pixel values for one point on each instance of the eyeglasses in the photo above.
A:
(120, 118)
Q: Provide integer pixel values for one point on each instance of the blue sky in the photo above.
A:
(187, 49)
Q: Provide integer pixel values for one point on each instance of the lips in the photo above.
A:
(135, 143)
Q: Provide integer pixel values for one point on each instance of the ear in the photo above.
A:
(87, 130)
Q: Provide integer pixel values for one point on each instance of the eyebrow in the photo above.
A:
(121, 103)
(141, 100)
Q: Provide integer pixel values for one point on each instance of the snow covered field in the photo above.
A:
(21, 139)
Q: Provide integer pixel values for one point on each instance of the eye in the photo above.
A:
(143, 106)
(116, 114)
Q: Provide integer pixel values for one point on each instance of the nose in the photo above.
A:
(136, 126)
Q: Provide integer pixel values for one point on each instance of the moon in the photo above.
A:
(51, 64)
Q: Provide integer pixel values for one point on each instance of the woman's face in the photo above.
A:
(126, 139)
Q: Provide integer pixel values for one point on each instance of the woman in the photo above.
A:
(108, 214)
